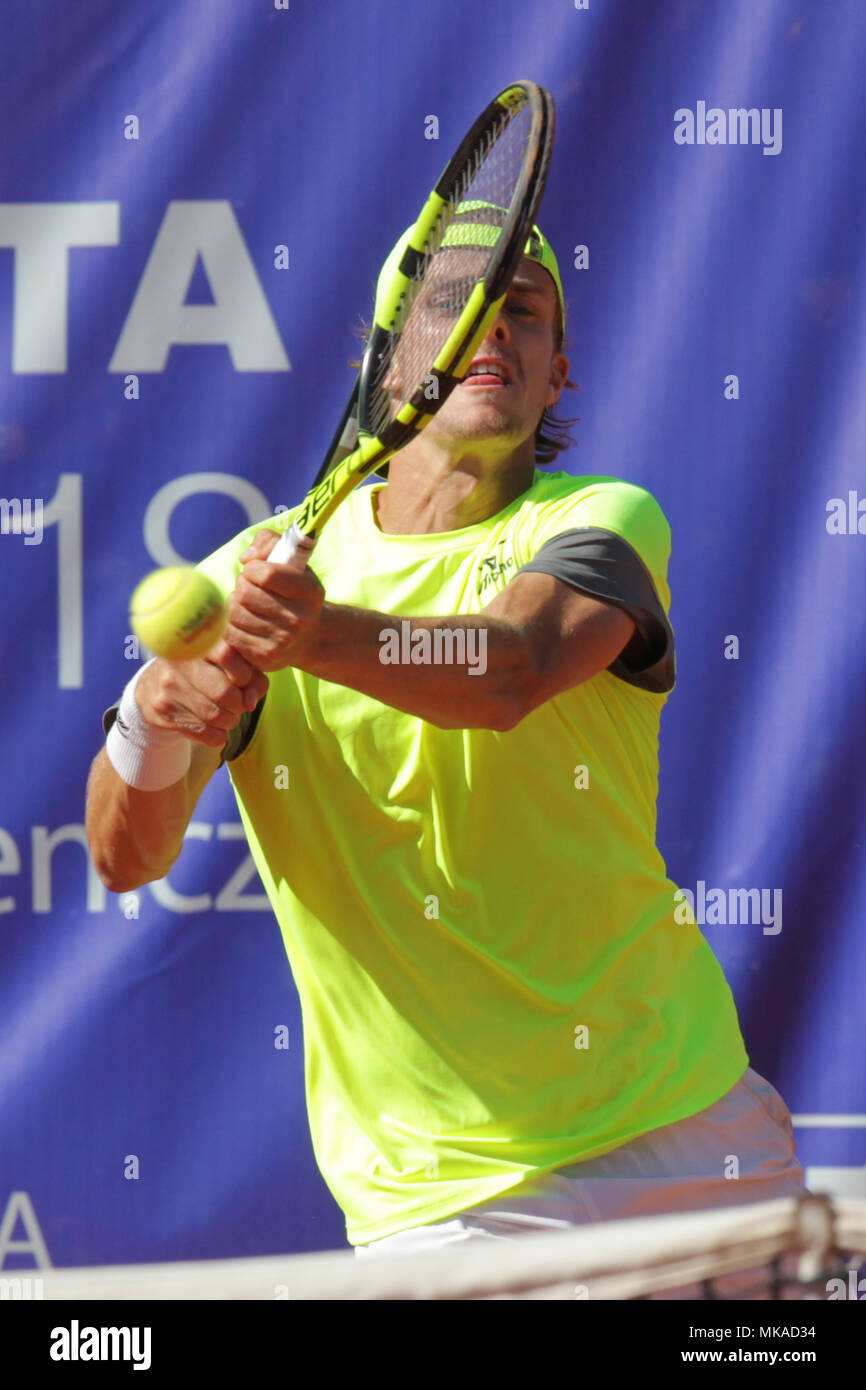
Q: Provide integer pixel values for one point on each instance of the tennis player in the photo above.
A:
(443, 738)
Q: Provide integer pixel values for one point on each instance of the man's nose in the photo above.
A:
(499, 331)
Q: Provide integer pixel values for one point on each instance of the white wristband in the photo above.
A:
(143, 755)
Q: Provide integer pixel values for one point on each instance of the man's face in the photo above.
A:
(525, 372)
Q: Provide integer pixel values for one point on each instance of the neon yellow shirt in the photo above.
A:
(492, 980)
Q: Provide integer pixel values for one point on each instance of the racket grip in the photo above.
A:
(293, 548)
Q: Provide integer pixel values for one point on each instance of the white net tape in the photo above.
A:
(615, 1260)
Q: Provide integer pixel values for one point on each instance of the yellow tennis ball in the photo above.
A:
(178, 612)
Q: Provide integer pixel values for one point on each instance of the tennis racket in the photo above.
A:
(440, 300)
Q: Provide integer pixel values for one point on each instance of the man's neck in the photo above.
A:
(428, 491)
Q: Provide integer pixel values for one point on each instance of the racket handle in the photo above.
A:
(293, 548)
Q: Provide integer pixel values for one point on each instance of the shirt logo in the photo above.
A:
(494, 568)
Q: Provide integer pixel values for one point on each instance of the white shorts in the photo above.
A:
(738, 1150)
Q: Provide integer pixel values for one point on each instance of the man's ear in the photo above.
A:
(559, 365)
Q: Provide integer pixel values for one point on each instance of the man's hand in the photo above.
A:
(203, 699)
(274, 612)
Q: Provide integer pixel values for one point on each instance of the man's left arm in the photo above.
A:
(538, 637)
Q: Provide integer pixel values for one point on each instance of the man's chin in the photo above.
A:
(476, 420)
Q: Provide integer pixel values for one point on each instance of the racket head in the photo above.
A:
(444, 286)
(460, 256)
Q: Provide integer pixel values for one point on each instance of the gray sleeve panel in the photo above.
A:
(606, 567)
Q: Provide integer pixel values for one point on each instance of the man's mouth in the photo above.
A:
(487, 372)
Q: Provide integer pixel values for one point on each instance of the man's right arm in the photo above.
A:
(135, 836)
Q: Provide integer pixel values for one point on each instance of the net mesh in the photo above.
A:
(795, 1248)
(456, 255)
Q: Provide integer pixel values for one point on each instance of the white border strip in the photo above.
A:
(829, 1121)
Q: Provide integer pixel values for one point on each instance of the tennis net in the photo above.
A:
(795, 1248)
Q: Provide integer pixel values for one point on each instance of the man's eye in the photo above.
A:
(520, 309)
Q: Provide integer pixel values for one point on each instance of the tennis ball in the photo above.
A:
(177, 612)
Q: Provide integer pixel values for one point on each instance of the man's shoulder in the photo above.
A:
(561, 486)
(569, 501)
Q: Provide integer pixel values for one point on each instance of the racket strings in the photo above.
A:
(456, 256)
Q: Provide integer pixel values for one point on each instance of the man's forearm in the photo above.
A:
(135, 836)
(167, 741)
(455, 672)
